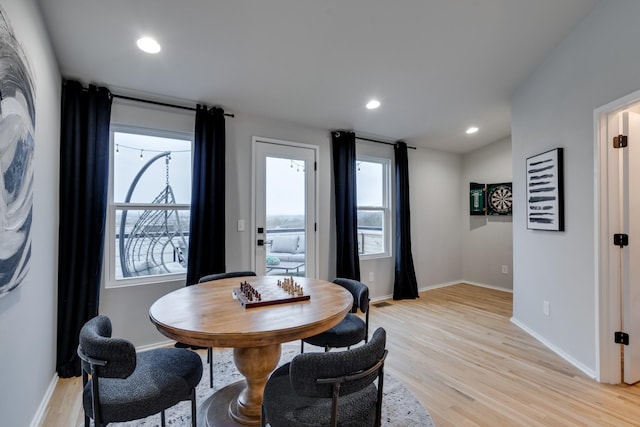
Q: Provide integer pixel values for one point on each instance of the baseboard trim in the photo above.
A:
(438, 286)
(586, 370)
(38, 418)
(441, 285)
(444, 285)
(484, 285)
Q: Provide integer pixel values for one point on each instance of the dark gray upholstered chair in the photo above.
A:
(120, 385)
(352, 329)
(209, 278)
(328, 389)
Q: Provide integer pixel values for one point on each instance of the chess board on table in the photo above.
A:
(279, 291)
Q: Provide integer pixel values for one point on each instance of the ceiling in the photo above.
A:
(437, 66)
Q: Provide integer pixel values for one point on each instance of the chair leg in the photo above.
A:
(301, 346)
(162, 418)
(193, 407)
(85, 379)
(210, 360)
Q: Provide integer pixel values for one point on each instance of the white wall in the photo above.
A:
(436, 207)
(128, 307)
(596, 64)
(28, 314)
(487, 240)
(240, 133)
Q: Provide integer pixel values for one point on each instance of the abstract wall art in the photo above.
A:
(545, 191)
(17, 129)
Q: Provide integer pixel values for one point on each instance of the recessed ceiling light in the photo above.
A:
(472, 129)
(373, 104)
(149, 45)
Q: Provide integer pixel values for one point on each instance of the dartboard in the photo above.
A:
(499, 199)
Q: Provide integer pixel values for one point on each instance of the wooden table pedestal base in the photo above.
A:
(240, 404)
(207, 315)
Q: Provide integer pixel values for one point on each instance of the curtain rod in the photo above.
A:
(381, 142)
(164, 104)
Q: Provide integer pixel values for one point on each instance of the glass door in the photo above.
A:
(285, 211)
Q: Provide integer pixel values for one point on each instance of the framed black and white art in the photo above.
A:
(545, 192)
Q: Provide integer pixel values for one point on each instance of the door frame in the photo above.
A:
(608, 220)
(316, 149)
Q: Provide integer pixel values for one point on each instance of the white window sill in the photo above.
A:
(169, 279)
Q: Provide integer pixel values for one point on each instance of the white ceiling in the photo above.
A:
(437, 66)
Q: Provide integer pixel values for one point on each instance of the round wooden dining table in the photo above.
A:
(210, 315)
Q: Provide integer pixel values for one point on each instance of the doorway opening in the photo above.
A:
(284, 231)
(617, 213)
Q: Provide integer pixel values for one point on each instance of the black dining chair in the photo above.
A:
(352, 329)
(328, 388)
(122, 385)
(210, 278)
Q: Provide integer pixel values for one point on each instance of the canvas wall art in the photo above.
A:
(17, 129)
(545, 192)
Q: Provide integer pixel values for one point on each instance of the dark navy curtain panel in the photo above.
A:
(405, 284)
(344, 175)
(206, 232)
(84, 177)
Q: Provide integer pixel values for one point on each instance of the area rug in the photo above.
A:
(399, 407)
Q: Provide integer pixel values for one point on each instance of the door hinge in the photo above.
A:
(315, 166)
(621, 240)
(620, 141)
(621, 338)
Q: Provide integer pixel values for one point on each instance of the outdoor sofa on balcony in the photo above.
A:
(286, 248)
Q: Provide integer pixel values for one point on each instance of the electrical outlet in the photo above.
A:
(372, 276)
(545, 308)
(505, 269)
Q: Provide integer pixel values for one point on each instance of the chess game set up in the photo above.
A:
(280, 292)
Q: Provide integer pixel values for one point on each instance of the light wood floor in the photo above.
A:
(456, 349)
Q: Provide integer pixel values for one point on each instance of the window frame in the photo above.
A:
(109, 262)
(385, 208)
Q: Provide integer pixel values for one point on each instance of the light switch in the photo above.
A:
(241, 225)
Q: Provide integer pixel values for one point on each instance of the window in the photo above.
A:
(149, 206)
(374, 218)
